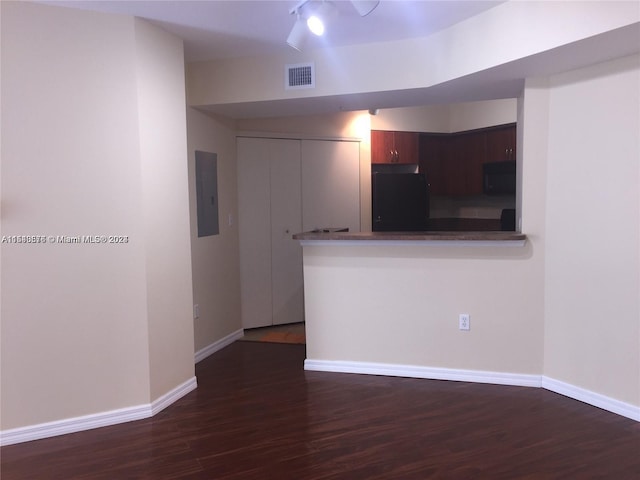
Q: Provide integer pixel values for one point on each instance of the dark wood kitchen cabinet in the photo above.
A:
(453, 162)
(501, 144)
(434, 157)
(394, 147)
(469, 154)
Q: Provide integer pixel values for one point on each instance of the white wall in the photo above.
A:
(451, 118)
(592, 285)
(90, 148)
(215, 261)
(472, 115)
(400, 304)
(432, 118)
(162, 129)
(338, 125)
(74, 328)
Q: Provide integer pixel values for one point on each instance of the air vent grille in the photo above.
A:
(301, 75)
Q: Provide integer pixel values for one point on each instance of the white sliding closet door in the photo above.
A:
(254, 225)
(269, 213)
(330, 184)
(286, 220)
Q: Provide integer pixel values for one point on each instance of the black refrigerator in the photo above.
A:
(399, 202)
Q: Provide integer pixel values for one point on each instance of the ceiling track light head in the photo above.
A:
(314, 23)
(317, 15)
(298, 36)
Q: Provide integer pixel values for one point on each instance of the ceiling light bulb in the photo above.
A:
(315, 25)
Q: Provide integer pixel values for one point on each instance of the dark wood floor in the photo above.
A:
(258, 415)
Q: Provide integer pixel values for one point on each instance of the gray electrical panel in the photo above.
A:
(207, 193)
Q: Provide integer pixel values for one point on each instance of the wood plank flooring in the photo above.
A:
(258, 415)
(291, 333)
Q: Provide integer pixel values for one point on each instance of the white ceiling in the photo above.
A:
(214, 29)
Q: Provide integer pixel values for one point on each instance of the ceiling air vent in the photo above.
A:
(300, 75)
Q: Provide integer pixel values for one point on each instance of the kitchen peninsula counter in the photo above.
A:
(388, 303)
(479, 238)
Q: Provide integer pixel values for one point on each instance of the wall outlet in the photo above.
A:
(464, 321)
(196, 311)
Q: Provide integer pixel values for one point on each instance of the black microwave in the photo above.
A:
(499, 178)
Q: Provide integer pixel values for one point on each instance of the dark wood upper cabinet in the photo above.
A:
(501, 144)
(394, 147)
(453, 162)
(470, 155)
(381, 146)
(406, 147)
(434, 156)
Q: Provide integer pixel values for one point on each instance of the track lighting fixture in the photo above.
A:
(316, 16)
(299, 33)
(298, 36)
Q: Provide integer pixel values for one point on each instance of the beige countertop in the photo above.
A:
(427, 236)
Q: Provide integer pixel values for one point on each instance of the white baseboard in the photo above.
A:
(592, 398)
(524, 380)
(88, 422)
(173, 396)
(114, 417)
(431, 373)
(218, 345)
